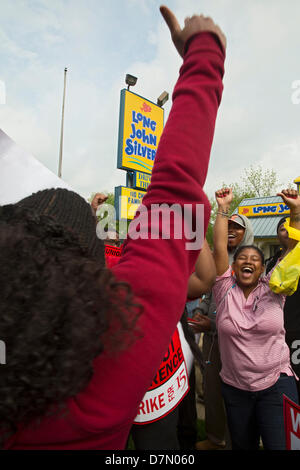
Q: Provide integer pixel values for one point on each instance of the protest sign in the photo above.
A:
(112, 255)
(21, 174)
(291, 424)
(170, 384)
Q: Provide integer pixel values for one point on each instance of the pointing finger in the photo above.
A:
(170, 19)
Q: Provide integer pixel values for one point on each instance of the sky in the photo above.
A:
(100, 41)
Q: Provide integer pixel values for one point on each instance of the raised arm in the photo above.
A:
(292, 199)
(98, 199)
(193, 25)
(224, 199)
(201, 281)
(157, 268)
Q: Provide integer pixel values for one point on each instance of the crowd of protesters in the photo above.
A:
(85, 339)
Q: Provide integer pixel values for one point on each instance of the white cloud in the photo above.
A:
(10, 47)
(100, 42)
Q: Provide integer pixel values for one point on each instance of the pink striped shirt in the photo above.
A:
(251, 334)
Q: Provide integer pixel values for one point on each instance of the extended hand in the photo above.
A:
(291, 199)
(201, 323)
(224, 197)
(98, 199)
(193, 25)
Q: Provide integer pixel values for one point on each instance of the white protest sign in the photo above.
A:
(21, 174)
(170, 384)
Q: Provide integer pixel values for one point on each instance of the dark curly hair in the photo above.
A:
(59, 309)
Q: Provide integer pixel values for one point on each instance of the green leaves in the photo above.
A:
(255, 182)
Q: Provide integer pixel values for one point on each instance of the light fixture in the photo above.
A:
(163, 98)
(130, 80)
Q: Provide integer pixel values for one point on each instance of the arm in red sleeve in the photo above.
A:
(158, 269)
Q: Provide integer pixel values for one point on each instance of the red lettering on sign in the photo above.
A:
(112, 255)
(168, 368)
(161, 401)
(291, 423)
(151, 404)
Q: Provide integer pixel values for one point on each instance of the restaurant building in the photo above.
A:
(264, 214)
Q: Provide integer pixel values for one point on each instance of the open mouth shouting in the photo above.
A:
(235, 234)
(248, 266)
(247, 271)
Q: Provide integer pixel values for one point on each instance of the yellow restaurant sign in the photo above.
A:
(274, 208)
(140, 127)
(127, 201)
(141, 180)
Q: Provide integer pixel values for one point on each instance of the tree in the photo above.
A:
(255, 182)
(261, 182)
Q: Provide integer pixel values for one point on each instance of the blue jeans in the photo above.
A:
(252, 415)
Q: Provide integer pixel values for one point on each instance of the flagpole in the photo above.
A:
(62, 126)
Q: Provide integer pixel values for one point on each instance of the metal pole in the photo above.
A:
(62, 126)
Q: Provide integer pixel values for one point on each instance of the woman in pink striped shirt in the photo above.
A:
(256, 368)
